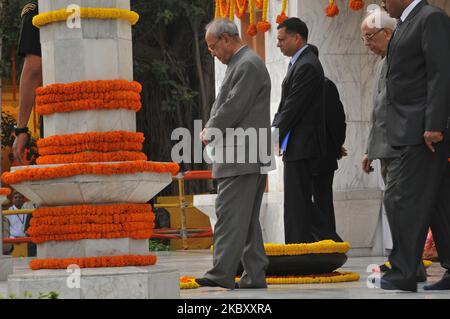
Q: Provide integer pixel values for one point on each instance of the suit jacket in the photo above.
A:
(418, 78)
(335, 127)
(301, 109)
(377, 144)
(242, 103)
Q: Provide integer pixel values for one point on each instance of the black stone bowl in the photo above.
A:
(299, 265)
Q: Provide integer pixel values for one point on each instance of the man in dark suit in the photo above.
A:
(418, 121)
(324, 221)
(300, 121)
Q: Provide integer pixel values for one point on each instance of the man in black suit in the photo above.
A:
(324, 221)
(300, 121)
(418, 121)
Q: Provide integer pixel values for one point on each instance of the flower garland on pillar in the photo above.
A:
(240, 8)
(264, 25)
(282, 16)
(252, 30)
(356, 4)
(332, 9)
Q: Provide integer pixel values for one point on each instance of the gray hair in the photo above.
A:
(220, 26)
(379, 18)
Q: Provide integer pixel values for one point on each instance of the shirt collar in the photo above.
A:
(297, 55)
(408, 10)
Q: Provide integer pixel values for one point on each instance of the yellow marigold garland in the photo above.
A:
(252, 29)
(188, 283)
(335, 277)
(240, 8)
(90, 157)
(86, 13)
(282, 16)
(321, 247)
(264, 25)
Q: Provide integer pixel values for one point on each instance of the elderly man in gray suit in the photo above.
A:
(242, 103)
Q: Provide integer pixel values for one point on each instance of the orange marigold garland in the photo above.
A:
(282, 16)
(240, 8)
(91, 147)
(90, 138)
(89, 157)
(87, 105)
(356, 4)
(264, 25)
(100, 86)
(252, 30)
(88, 95)
(142, 234)
(94, 262)
(259, 4)
(33, 174)
(332, 9)
(5, 191)
(98, 210)
(91, 222)
(222, 12)
(55, 230)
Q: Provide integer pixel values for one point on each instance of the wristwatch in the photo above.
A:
(20, 130)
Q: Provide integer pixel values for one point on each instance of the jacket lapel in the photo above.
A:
(400, 32)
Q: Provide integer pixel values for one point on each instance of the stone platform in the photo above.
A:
(152, 282)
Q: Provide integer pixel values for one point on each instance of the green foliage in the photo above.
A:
(8, 123)
(9, 32)
(156, 245)
(29, 295)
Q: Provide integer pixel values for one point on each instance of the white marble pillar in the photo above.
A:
(99, 50)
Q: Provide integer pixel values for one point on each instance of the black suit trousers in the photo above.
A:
(323, 217)
(421, 200)
(298, 205)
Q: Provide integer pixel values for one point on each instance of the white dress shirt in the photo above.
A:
(408, 10)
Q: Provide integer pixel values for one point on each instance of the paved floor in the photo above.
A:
(196, 262)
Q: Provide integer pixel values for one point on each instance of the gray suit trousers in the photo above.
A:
(420, 199)
(237, 234)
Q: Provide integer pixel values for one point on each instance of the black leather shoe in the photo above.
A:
(443, 284)
(389, 285)
(205, 282)
(384, 268)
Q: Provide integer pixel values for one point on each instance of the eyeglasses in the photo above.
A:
(213, 46)
(368, 37)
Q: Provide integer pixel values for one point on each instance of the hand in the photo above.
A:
(19, 147)
(343, 152)
(202, 137)
(432, 137)
(366, 164)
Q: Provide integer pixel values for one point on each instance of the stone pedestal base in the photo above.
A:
(152, 282)
(6, 267)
